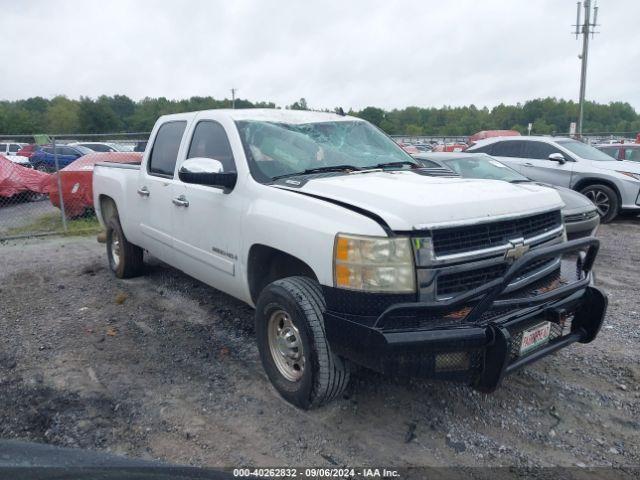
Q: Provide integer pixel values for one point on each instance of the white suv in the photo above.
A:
(10, 148)
(612, 185)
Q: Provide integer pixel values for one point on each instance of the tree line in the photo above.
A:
(119, 113)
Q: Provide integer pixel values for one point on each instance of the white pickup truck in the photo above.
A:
(349, 253)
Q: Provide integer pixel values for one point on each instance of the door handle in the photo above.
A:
(180, 201)
(529, 165)
(143, 191)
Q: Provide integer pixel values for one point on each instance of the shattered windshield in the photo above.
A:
(281, 149)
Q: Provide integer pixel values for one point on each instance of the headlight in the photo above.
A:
(374, 264)
(635, 176)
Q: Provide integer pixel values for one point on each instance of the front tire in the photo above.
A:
(605, 199)
(125, 259)
(293, 346)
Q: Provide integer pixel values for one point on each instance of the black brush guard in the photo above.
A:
(370, 344)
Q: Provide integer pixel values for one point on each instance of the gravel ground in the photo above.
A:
(165, 367)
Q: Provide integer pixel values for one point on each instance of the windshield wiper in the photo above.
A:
(330, 168)
(521, 181)
(396, 164)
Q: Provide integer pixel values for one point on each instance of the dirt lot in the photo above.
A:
(165, 367)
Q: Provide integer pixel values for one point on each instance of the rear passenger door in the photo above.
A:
(537, 165)
(155, 190)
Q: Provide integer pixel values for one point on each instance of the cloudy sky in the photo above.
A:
(349, 53)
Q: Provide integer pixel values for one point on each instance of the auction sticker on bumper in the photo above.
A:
(535, 336)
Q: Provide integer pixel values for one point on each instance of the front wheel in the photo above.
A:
(293, 346)
(605, 199)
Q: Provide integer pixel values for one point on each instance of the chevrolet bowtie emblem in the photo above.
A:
(517, 249)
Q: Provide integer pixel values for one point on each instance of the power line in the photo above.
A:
(585, 29)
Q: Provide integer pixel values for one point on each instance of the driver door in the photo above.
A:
(206, 225)
(538, 167)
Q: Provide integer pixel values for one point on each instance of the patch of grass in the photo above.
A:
(52, 223)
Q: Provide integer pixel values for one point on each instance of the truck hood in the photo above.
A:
(408, 201)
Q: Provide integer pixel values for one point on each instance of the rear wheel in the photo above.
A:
(125, 259)
(605, 199)
(293, 346)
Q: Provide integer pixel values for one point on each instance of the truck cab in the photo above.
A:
(349, 253)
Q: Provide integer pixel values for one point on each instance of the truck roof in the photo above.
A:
(266, 115)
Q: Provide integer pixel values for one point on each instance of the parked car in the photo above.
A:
(580, 215)
(76, 181)
(423, 147)
(613, 186)
(450, 147)
(27, 150)
(97, 146)
(10, 148)
(20, 160)
(140, 146)
(349, 253)
(43, 158)
(622, 151)
(19, 182)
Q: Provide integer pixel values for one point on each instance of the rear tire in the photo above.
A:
(293, 346)
(605, 200)
(125, 259)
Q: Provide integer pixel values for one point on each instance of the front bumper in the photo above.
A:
(580, 228)
(480, 344)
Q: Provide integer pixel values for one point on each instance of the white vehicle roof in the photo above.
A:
(267, 115)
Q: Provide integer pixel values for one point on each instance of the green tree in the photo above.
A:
(299, 105)
(62, 116)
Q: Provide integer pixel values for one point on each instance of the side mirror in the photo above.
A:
(557, 157)
(207, 171)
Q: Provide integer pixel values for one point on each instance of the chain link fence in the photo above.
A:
(46, 181)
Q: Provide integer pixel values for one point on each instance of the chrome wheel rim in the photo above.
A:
(115, 249)
(285, 346)
(600, 200)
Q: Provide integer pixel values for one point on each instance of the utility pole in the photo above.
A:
(585, 29)
(233, 97)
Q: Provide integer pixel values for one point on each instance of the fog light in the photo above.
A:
(453, 361)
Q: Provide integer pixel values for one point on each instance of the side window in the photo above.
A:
(210, 141)
(612, 151)
(486, 149)
(512, 148)
(48, 150)
(3, 147)
(67, 151)
(632, 154)
(165, 149)
(539, 150)
(13, 148)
